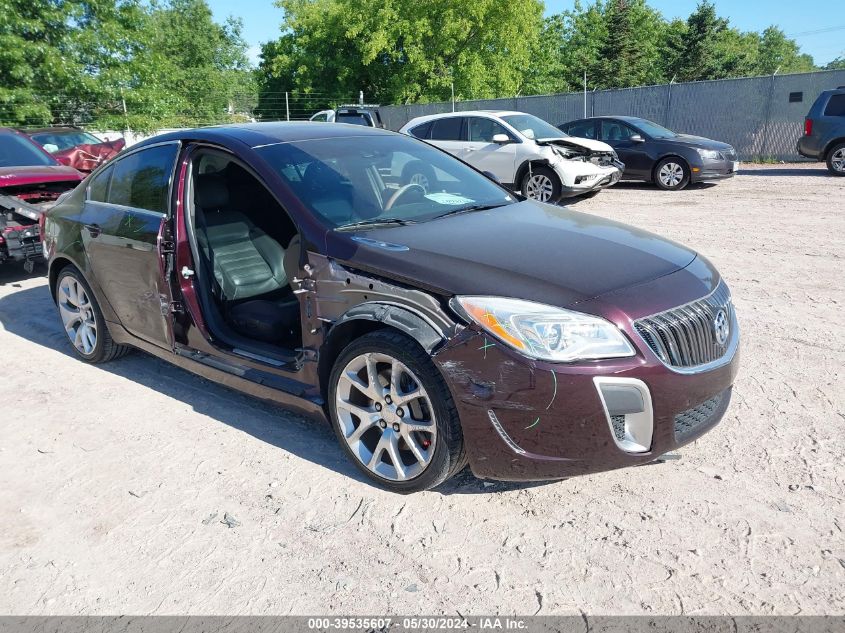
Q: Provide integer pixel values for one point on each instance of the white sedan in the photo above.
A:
(520, 150)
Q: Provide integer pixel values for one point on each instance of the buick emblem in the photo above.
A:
(721, 327)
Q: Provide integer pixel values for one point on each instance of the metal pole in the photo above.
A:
(360, 97)
(287, 106)
(668, 102)
(453, 96)
(585, 94)
(764, 145)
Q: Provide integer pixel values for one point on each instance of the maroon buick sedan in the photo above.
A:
(434, 325)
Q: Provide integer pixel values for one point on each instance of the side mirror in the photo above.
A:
(636, 138)
(490, 174)
(501, 139)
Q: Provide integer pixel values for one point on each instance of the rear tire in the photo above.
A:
(372, 417)
(83, 320)
(836, 160)
(672, 174)
(542, 184)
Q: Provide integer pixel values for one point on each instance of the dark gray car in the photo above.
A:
(824, 131)
(653, 153)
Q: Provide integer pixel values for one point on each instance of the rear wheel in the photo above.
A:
(672, 174)
(393, 413)
(542, 184)
(83, 320)
(836, 160)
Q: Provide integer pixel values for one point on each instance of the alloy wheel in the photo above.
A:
(837, 160)
(539, 187)
(671, 175)
(386, 416)
(77, 313)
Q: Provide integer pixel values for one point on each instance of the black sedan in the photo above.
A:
(653, 153)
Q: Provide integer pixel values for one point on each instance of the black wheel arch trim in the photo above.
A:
(398, 317)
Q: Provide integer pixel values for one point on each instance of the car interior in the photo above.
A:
(247, 250)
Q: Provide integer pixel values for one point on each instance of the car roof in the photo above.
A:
(59, 129)
(269, 133)
(442, 115)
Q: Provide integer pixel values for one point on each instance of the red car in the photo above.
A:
(31, 181)
(76, 148)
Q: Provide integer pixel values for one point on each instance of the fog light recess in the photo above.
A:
(627, 407)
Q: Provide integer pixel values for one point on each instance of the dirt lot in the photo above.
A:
(137, 488)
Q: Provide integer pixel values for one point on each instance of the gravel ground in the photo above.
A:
(138, 488)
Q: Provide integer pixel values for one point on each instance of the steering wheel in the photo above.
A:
(404, 189)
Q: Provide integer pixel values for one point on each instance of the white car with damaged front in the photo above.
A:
(521, 150)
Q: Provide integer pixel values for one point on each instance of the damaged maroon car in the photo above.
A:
(74, 147)
(434, 327)
(30, 182)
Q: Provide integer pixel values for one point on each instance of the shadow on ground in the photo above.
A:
(786, 171)
(30, 314)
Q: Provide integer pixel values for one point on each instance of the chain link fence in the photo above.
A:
(762, 117)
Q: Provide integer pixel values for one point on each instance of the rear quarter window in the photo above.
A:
(99, 187)
(835, 106)
(421, 131)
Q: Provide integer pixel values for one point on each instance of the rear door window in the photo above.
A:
(585, 129)
(142, 180)
(449, 129)
(835, 106)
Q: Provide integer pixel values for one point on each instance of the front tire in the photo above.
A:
(393, 413)
(83, 320)
(672, 174)
(542, 184)
(836, 160)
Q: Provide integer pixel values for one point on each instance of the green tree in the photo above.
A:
(403, 50)
(698, 58)
(631, 53)
(836, 64)
(779, 52)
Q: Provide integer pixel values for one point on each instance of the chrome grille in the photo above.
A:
(685, 336)
(691, 419)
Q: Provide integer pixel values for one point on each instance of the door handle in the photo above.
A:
(94, 230)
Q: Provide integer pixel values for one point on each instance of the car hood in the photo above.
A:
(38, 174)
(578, 143)
(699, 141)
(527, 250)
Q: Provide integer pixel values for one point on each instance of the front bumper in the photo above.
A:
(531, 420)
(587, 177)
(715, 170)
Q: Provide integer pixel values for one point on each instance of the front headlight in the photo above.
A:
(545, 332)
(710, 153)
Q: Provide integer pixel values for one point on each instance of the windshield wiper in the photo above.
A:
(374, 222)
(470, 208)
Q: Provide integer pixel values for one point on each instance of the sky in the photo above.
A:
(818, 27)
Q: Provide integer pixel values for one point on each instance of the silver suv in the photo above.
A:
(824, 131)
(522, 151)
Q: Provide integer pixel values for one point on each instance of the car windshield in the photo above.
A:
(65, 140)
(18, 151)
(531, 127)
(388, 179)
(352, 117)
(654, 130)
